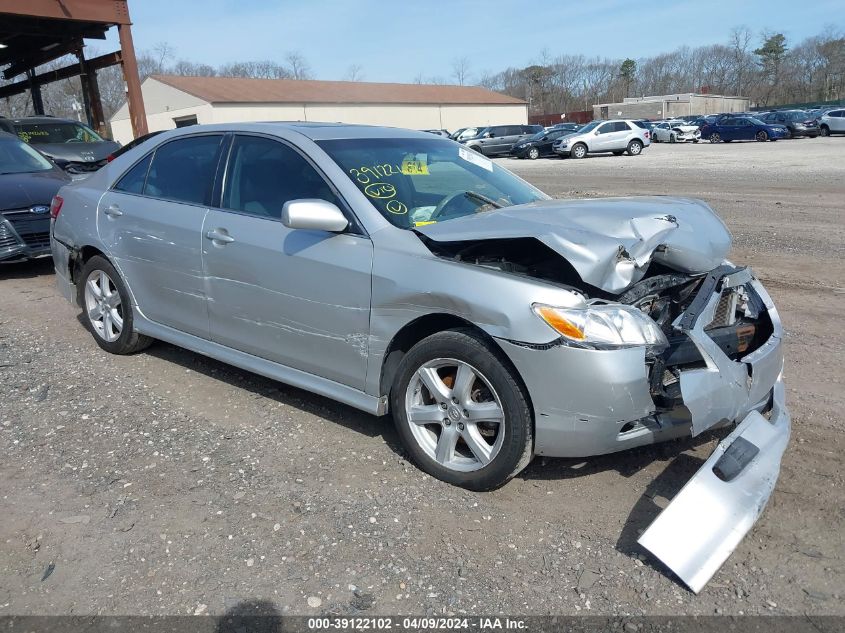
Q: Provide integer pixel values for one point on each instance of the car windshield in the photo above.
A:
(415, 181)
(56, 132)
(592, 125)
(20, 158)
(539, 135)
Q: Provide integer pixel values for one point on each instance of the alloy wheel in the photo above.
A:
(580, 151)
(454, 414)
(103, 306)
(715, 138)
(533, 153)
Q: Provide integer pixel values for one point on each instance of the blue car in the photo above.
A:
(743, 128)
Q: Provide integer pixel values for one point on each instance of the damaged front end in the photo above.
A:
(725, 368)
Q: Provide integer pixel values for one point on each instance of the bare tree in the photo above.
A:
(298, 65)
(355, 72)
(461, 70)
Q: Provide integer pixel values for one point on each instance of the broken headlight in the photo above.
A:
(603, 326)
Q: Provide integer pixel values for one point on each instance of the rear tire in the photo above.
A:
(107, 308)
(578, 151)
(491, 388)
(635, 148)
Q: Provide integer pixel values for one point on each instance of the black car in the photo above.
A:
(798, 122)
(569, 127)
(73, 146)
(539, 145)
(28, 182)
(498, 139)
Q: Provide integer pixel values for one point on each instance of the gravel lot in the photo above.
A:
(167, 483)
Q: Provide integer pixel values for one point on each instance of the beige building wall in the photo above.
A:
(165, 105)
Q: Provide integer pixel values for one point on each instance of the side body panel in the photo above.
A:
(156, 244)
(296, 297)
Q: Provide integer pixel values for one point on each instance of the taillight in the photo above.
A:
(109, 158)
(56, 206)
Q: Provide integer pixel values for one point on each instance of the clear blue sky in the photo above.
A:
(399, 40)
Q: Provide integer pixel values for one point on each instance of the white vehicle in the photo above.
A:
(832, 122)
(675, 132)
(617, 136)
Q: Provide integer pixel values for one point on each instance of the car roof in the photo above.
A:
(42, 119)
(316, 131)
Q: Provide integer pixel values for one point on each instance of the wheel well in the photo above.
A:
(78, 259)
(411, 334)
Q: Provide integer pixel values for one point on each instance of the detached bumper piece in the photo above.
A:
(714, 511)
(708, 518)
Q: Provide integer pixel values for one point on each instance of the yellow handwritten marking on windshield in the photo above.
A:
(396, 207)
(365, 174)
(425, 223)
(380, 190)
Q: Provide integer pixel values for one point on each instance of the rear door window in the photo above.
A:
(183, 170)
(134, 179)
(621, 126)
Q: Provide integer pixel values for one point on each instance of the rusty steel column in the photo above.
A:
(137, 115)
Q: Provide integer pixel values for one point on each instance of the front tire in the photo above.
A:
(635, 148)
(461, 411)
(762, 136)
(715, 138)
(107, 308)
(825, 131)
(533, 153)
(579, 151)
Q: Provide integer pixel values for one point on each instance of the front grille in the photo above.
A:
(7, 238)
(33, 229)
(726, 309)
(83, 168)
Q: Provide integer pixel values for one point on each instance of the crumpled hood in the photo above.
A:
(609, 241)
(21, 191)
(78, 152)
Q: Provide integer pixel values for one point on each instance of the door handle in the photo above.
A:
(113, 211)
(219, 235)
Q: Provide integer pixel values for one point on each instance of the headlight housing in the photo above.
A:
(603, 326)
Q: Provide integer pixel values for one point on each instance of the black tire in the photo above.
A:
(466, 345)
(618, 152)
(477, 148)
(695, 140)
(762, 136)
(129, 340)
(578, 148)
(824, 131)
(715, 137)
(635, 148)
(533, 153)
(673, 138)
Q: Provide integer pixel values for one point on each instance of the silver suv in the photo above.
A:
(616, 136)
(832, 122)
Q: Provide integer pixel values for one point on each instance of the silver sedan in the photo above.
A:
(402, 273)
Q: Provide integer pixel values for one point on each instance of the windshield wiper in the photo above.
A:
(477, 196)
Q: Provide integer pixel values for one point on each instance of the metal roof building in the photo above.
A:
(175, 101)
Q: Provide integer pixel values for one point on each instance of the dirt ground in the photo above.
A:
(167, 483)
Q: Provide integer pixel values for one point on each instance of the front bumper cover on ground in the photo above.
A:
(712, 513)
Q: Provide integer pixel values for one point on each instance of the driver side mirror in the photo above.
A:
(488, 135)
(313, 214)
(596, 132)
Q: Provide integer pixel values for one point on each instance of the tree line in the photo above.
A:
(765, 67)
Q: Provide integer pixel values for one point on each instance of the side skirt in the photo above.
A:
(275, 371)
